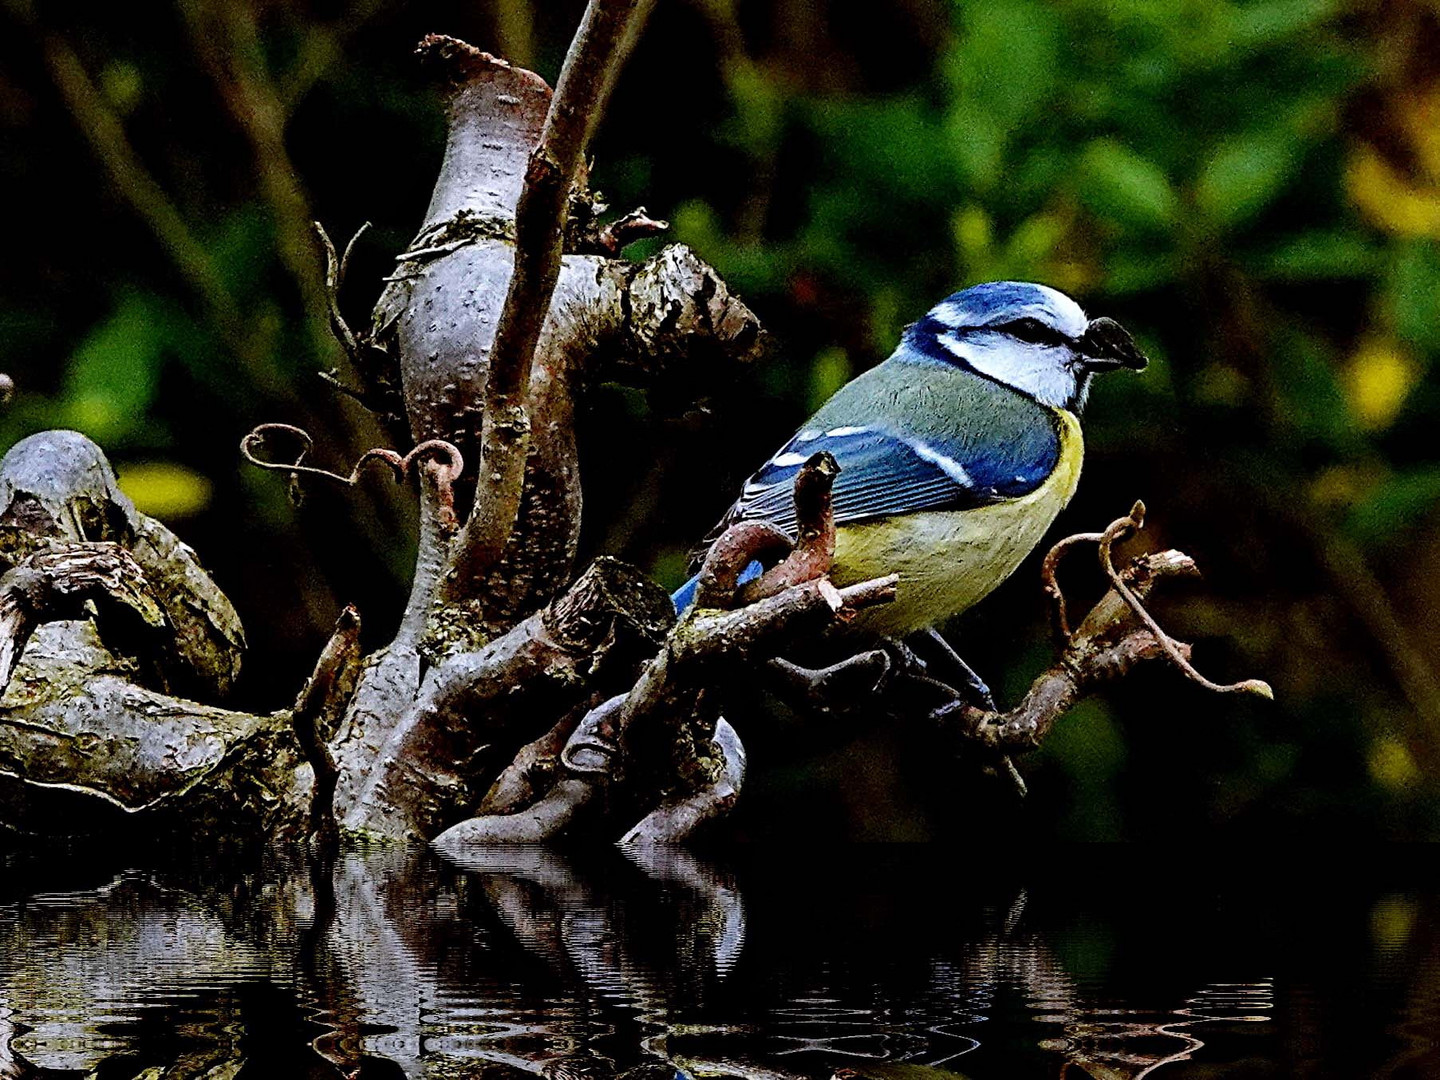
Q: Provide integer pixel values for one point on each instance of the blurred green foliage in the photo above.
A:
(1252, 187)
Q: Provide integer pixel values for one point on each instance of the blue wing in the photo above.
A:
(884, 473)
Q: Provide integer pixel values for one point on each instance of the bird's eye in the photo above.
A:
(1033, 331)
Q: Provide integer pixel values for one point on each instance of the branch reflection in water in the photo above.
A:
(644, 964)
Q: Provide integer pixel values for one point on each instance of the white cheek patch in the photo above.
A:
(1041, 371)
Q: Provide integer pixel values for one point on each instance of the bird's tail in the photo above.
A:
(684, 596)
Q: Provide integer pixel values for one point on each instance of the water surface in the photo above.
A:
(893, 965)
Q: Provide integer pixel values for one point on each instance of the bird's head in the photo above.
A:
(1031, 337)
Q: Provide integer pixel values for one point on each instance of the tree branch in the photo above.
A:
(596, 55)
(1118, 633)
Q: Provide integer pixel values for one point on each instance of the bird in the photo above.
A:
(956, 453)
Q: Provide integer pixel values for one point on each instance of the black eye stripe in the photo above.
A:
(1033, 331)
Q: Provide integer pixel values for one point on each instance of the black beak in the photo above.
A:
(1106, 345)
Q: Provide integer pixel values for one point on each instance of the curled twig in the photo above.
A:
(1059, 619)
(444, 457)
(738, 546)
(1128, 526)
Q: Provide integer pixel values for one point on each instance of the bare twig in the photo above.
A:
(845, 685)
(796, 561)
(740, 545)
(1127, 526)
(335, 268)
(596, 55)
(590, 237)
(1059, 619)
(1118, 633)
(667, 686)
(815, 532)
(626, 229)
(1106, 646)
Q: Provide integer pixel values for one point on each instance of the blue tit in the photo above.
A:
(956, 453)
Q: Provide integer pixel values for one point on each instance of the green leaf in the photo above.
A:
(1394, 505)
(1313, 403)
(1245, 174)
(111, 379)
(1412, 293)
(1006, 60)
(1318, 255)
(1275, 20)
(1120, 184)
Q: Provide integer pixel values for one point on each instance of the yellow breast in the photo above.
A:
(950, 559)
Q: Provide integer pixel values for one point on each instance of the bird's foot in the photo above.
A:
(951, 668)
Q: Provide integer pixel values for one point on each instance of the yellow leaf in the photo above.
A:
(164, 489)
(1378, 379)
(1343, 485)
(973, 233)
(1388, 199)
(1391, 765)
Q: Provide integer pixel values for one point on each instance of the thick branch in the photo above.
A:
(480, 705)
(594, 61)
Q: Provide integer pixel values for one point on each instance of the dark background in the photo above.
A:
(1252, 188)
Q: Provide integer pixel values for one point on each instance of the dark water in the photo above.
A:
(899, 965)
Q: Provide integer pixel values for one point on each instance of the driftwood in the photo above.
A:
(518, 699)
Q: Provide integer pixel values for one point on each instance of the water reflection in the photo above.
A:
(658, 965)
